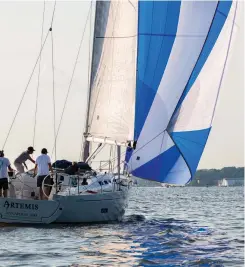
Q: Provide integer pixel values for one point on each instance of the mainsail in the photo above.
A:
(112, 102)
(156, 73)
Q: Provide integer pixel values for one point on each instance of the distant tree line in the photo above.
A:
(210, 176)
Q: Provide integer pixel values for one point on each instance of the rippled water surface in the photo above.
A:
(162, 227)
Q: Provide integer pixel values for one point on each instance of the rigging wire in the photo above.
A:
(138, 149)
(89, 80)
(52, 44)
(52, 20)
(69, 87)
(29, 80)
(54, 109)
(38, 81)
(114, 156)
(225, 63)
(110, 157)
(96, 152)
(23, 95)
(113, 160)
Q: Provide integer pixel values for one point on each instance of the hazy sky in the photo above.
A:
(20, 28)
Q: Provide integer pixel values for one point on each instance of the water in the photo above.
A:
(162, 227)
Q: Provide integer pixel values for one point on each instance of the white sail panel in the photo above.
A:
(112, 102)
(179, 174)
(146, 153)
(197, 109)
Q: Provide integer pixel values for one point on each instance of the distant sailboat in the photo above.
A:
(157, 68)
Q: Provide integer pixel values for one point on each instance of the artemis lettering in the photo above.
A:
(16, 205)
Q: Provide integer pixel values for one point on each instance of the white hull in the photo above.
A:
(29, 211)
(100, 201)
(93, 208)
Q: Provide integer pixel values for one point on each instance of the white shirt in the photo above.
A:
(42, 162)
(4, 163)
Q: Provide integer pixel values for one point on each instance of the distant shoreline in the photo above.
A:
(215, 177)
(227, 176)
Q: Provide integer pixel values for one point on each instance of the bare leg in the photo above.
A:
(40, 193)
(5, 193)
(19, 167)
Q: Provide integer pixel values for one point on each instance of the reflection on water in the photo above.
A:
(162, 227)
(107, 246)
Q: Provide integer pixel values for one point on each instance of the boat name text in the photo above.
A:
(17, 205)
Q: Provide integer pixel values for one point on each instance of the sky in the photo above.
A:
(20, 28)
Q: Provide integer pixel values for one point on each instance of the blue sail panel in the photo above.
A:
(191, 144)
(157, 26)
(158, 168)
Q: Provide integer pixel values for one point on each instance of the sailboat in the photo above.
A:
(156, 73)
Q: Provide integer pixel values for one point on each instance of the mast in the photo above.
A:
(86, 143)
(118, 160)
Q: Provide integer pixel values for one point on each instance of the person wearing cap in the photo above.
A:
(19, 162)
(4, 166)
(42, 168)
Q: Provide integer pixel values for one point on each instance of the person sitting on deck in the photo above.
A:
(73, 169)
(84, 182)
(43, 164)
(4, 166)
(19, 163)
